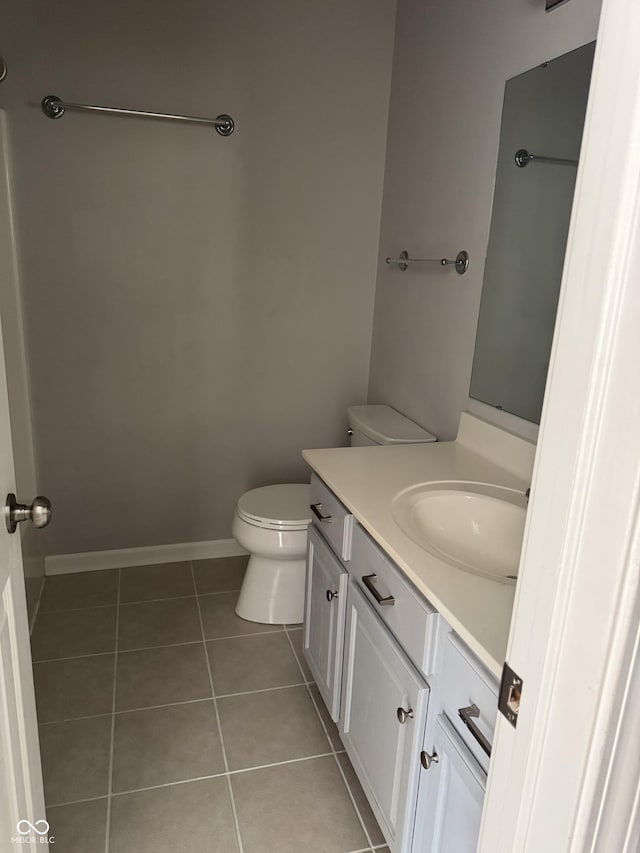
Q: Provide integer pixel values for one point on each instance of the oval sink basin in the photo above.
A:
(477, 527)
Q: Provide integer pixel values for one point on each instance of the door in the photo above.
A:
(22, 814)
(451, 796)
(325, 608)
(384, 710)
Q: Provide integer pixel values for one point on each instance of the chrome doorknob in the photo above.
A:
(403, 715)
(39, 513)
(427, 759)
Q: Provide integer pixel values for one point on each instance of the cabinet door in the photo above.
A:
(384, 708)
(451, 797)
(325, 607)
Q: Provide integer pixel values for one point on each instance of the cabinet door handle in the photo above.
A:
(466, 715)
(331, 594)
(315, 509)
(370, 582)
(403, 715)
(427, 760)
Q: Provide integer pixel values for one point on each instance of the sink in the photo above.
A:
(477, 527)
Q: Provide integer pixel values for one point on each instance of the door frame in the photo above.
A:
(567, 777)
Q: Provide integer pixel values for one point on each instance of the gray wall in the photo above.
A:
(451, 62)
(198, 309)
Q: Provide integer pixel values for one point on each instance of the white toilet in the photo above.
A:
(271, 524)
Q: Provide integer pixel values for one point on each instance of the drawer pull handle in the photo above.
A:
(427, 760)
(403, 715)
(467, 715)
(331, 595)
(370, 582)
(315, 509)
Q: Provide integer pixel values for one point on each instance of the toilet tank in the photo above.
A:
(377, 424)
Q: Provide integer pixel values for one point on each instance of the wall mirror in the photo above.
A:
(542, 122)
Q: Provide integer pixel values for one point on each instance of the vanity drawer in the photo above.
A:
(331, 518)
(400, 606)
(468, 687)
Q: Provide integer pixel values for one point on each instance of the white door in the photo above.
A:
(384, 710)
(449, 816)
(325, 608)
(22, 813)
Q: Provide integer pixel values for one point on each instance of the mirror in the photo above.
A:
(542, 122)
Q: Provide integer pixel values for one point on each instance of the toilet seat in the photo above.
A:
(279, 507)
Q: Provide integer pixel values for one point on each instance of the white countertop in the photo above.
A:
(366, 479)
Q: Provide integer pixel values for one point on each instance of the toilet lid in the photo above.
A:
(283, 507)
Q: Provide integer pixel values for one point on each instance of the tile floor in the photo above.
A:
(169, 724)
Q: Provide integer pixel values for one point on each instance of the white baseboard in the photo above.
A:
(93, 561)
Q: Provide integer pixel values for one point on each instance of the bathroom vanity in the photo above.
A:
(407, 649)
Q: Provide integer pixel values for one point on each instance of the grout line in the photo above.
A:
(262, 690)
(75, 719)
(217, 592)
(279, 763)
(217, 713)
(113, 718)
(225, 773)
(75, 802)
(155, 600)
(127, 711)
(172, 704)
(242, 636)
(163, 645)
(133, 601)
(353, 800)
(50, 611)
(333, 749)
(75, 657)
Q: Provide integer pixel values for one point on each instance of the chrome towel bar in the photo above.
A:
(54, 107)
(524, 157)
(461, 261)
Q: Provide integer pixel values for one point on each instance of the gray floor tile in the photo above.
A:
(79, 827)
(82, 589)
(78, 632)
(166, 745)
(219, 617)
(297, 635)
(222, 574)
(159, 623)
(74, 688)
(75, 759)
(160, 676)
(272, 726)
(294, 807)
(252, 663)
(188, 818)
(167, 580)
(332, 729)
(362, 803)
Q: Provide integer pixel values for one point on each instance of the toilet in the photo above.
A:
(271, 524)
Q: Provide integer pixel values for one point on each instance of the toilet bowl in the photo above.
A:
(271, 524)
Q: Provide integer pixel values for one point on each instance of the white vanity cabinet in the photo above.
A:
(325, 608)
(396, 678)
(384, 710)
(451, 796)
